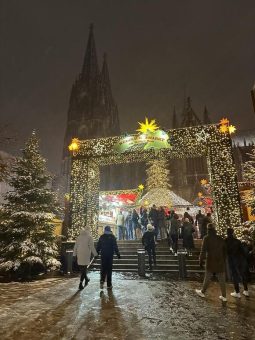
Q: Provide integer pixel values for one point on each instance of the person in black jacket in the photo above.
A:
(206, 220)
(148, 241)
(238, 263)
(153, 216)
(107, 246)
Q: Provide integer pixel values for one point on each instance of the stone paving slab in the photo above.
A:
(134, 310)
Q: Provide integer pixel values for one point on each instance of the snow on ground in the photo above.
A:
(136, 309)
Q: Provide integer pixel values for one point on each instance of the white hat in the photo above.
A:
(150, 227)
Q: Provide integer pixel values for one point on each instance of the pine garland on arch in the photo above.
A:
(26, 231)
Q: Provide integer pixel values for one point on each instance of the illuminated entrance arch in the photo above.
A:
(212, 141)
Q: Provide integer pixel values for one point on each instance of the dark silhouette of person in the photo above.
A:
(107, 246)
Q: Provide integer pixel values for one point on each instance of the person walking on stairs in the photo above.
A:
(174, 232)
(83, 248)
(107, 246)
(148, 241)
(121, 226)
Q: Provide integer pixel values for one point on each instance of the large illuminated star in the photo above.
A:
(232, 129)
(147, 126)
(223, 128)
(224, 121)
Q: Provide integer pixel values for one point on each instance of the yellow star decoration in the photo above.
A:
(74, 146)
(200, 194)
(224, 121)
(203, 181)
(223, 128)
(148, 126)
(232, 129)
(141, 187)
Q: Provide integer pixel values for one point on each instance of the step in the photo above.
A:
(134, 267)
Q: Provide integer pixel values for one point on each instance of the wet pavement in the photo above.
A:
(135, 309)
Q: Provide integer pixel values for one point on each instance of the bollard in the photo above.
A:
(182, 264)
(141, 262)
(69, 261)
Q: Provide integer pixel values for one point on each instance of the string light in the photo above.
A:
(92, 155)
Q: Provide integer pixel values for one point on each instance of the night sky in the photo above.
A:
(156, 51)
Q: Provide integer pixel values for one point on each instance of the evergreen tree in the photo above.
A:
(249, 175)
(27, 241)
(157, 184)
(157, 175)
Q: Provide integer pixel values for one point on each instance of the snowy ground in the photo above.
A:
(135, 310)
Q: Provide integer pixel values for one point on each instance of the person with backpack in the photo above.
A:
(107, 247)
(148, 241)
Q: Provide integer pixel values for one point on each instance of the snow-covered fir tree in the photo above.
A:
(27, 240)
(249, 175)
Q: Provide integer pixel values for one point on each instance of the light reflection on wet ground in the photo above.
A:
(134, 309)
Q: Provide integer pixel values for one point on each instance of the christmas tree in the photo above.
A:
(157, 175)
(249, 175)
(27, 241)
(157, 185)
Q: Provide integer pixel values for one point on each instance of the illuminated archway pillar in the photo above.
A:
(84, 196)
(224, 186)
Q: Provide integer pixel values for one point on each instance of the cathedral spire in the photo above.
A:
(206, 119)
(105, 83)
(189, 116)
(174, 122)
(90, 66)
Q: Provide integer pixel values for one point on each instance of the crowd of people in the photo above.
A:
(220, 254)
(132, 225)
(157, 224)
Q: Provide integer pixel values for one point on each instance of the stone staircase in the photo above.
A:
(166, 262)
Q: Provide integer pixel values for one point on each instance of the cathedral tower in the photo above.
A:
(92, 111)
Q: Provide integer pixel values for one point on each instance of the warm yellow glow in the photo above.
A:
(200, 194)
(147, 126)
(203, 181)
(200, 203)
(223, 128)
(224, 121)
(232, 129)
(141, 187)
(74, 146)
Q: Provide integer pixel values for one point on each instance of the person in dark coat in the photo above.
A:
(214, 250)
(187, 235)
(135, 223)
(238, 263)
(162, 223)
(148, 241)
(207, 219)
(174, 232)
(107, 246)
(144, 219)
(129, 226)
(199, 221)
(187, 215)
(153, 216)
